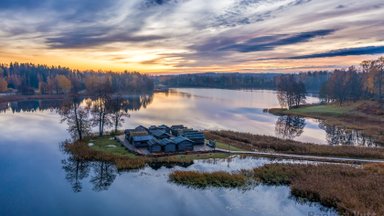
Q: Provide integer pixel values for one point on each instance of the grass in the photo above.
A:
(272, 144)
(125, 160)
(345, 188)
(202, 180)
(228, 147)
(350, 190)
(366, 116)
(102, 144)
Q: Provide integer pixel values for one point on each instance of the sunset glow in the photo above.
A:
(185, 36)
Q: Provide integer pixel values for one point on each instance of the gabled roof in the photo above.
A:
(177, 127)
(157, 132)
(140, 127)
(154, 142)
(142, 138)
(180, 139)
(166, 142)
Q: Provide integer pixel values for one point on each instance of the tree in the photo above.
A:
(290, 92)
(375, 77)
(116, 107)
(77, 118)
(63, 83)
(100, 115)
(3, 85)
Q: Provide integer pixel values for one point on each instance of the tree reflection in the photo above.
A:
(341, 136)
(104, 175)
(289, 127)
(76, 170)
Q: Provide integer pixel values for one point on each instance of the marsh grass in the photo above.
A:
(268, 143)
(214, 179)
(346, 188)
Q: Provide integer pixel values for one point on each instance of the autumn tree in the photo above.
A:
(375, 77)
(63, 84)
(3, 85)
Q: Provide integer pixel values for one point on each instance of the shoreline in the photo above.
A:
(17, 98)
(364, 116)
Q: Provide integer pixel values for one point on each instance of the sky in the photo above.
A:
(186, 36)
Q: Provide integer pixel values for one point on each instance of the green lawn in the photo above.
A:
(328, 109)
(101, 144)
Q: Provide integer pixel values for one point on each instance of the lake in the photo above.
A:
(38, 178)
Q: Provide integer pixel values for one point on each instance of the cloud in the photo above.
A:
(369, 50)
(199, 33)
(262, 43)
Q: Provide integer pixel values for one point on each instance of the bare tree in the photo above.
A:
(100, 115)
(117, 112)
(76, 116)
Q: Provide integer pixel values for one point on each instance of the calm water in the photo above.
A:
(37, 178)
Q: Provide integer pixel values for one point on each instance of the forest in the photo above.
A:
(29, 79)
(312, 80)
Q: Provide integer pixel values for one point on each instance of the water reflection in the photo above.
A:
(76, 170)
(104, 173)
(289, 127)
(133, 103)
(342, 136)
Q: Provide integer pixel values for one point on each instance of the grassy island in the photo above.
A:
(106, 148)
(367, 116)
(346, 188)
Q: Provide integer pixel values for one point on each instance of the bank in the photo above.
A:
(365, 116)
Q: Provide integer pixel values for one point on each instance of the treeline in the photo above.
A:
(218, 80)
(312, 80)
(352, 84)
(30, 79)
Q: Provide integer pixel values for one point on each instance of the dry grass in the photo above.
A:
(345, 188)
(350, 190)
(203, 180)
(269, 143)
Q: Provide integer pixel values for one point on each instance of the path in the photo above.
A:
(304, 157)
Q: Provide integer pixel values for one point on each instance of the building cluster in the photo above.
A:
(156, 139)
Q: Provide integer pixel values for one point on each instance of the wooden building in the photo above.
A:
(154, 146)
(141, 141)
(168, 145)
(183, 144)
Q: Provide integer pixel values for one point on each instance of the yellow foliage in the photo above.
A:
(3, 85)
(64, 83)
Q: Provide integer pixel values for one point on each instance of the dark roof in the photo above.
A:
(177, 127)
(154, 142)
(180, 139)
(142, 138)
(157, 132)
(166, 141)
(140, 127)
(163, 127)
